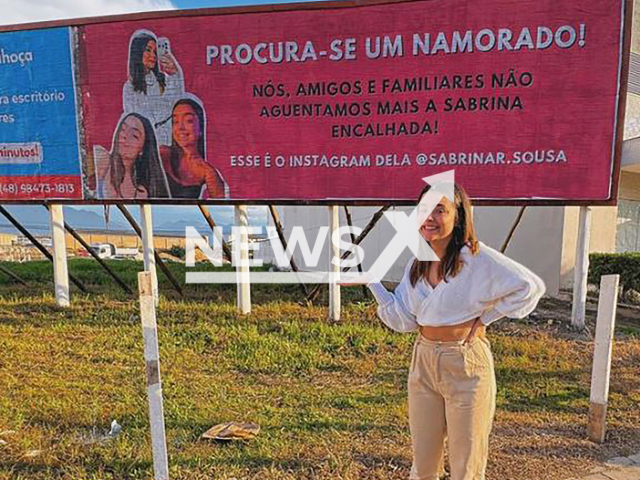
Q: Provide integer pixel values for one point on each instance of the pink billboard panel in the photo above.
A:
(356, 103)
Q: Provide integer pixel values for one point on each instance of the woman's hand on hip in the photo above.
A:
(474, 327)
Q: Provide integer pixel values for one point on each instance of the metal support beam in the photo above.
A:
(102, 263)
(38, 245)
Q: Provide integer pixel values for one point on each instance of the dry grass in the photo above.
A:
(330, 397)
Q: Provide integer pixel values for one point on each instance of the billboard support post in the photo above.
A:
(347, 214)
(60, 270)
(334, 267)
(241, 257)
(581, 270)
(147, 247)
(38, 245)
(157, 259)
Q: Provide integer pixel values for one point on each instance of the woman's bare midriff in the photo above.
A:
(452, 333)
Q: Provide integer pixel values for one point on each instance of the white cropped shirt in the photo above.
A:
(490, 286)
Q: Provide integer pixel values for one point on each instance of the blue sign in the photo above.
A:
(38, 121)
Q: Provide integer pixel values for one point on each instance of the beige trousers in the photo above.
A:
(452, 393)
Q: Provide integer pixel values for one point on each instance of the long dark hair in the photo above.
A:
(138, 43)
(464, 234)
(176, 150)
(147, 168)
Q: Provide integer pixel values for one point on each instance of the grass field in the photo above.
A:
(330, 397)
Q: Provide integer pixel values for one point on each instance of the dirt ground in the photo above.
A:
(332, 403)
(557, 448)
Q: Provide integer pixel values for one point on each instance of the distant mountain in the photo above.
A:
(172, 219)
(80, 218)
(36, 217)
(179, 225)
(175, 219)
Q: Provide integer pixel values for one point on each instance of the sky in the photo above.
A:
(22, 11)
(25, 11)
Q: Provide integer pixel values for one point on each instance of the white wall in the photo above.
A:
(311, 218)
(537, 242)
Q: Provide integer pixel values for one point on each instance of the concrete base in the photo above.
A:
(596, 422)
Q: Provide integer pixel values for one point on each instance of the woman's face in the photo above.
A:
(439, 224)
(186, 126)
(131, 138)
(149, 55)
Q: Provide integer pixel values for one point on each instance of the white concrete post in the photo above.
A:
(60, 270)
(607, 304)
(154, 385)
(241, 257)
(334, 263)
(581, 269)
(148, 250)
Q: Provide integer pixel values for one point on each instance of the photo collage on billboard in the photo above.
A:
(158, 149)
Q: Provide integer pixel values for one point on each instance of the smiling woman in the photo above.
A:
(132, 170)
(155, 82)
(188, 172)
(449, 302)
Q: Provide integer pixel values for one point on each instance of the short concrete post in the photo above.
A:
(241, 247)
(60, 271)
(149, 258)
(607, 304)
(154, 385)
(334, 264)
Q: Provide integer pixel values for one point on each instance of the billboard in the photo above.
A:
(39, 150)
(324, 103)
